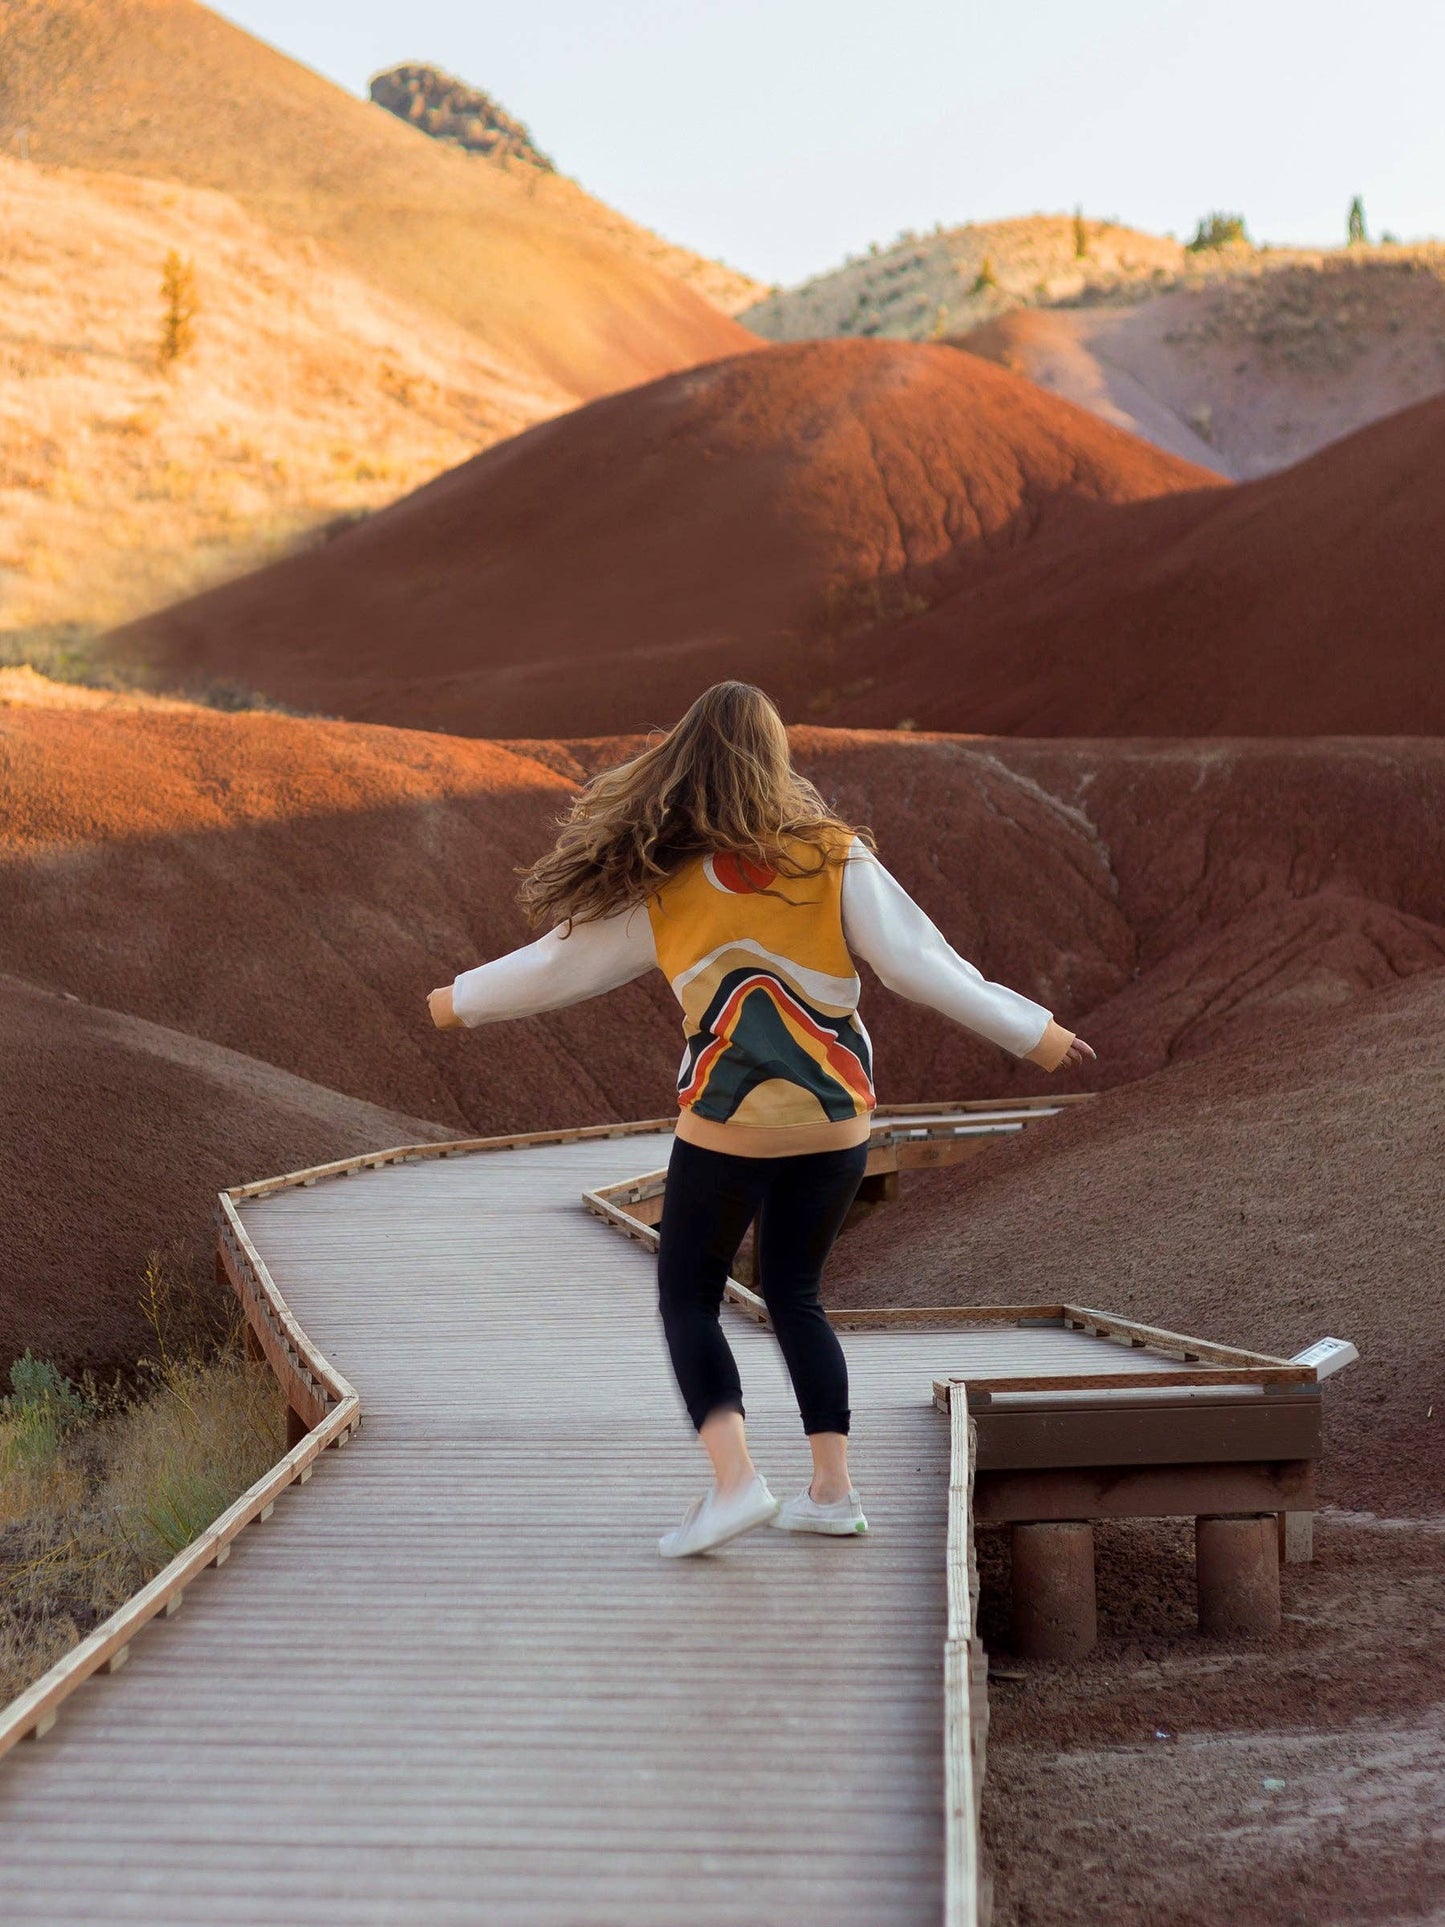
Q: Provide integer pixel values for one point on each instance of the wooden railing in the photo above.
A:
(905, 1137)
(326, 1405)
(967, 1889)
(308, 1376)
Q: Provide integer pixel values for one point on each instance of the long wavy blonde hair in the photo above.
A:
(721, 779)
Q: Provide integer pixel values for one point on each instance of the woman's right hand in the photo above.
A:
(1076, 1053)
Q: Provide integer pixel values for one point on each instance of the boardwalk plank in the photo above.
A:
(423, 1691)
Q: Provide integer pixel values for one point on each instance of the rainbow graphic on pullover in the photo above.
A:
(769, 993)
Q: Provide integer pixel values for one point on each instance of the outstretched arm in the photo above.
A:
(555, 971)
(885, 927)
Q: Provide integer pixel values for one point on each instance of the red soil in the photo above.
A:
(117, 1136)
(1169, 1778)
(1255, 876)
(1305, 603)
(594, 573)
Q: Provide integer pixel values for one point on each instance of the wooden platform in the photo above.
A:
(451, 1681)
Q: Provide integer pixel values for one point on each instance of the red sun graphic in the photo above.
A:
(739, 875)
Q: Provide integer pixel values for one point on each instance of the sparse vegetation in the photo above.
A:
(985, 278)
(848, 608)
(1219, 231)
(42, 1407)
(1355, 224)
(61, 651)
(182, 305)
(1081, 235)
(98, 1489)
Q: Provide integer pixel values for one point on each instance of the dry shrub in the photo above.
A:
(175, 1462)
(98, 1490)
(181, 305)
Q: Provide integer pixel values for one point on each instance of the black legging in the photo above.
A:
(800, 1203)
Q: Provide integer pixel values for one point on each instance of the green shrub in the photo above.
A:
(42, 1407)
(1219, 231)
(1355, 224)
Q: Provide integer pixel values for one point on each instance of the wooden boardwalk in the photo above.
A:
(451, 1681)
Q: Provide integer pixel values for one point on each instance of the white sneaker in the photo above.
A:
(712, 1521)
(840, 1518)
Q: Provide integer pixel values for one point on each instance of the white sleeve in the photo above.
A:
(884, 926)
(558, 970)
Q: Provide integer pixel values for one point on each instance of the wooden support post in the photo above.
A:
(1237, 1565)
(296, 1428)
(1296, 1538)
(1054, 1614)
(878, 1187)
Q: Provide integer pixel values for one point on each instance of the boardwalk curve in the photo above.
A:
(452, 1681)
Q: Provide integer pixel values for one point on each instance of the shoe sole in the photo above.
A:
(725, 1538)
(854, 1530)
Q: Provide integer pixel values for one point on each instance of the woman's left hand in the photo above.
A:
(443, 1015)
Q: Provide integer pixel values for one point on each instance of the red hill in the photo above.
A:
(741, 518)
(117, 1134)
(1305, 603)
(238, 897)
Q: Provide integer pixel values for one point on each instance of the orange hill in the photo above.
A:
(291, 889)
(288, 890)
(527, 262)
(1304, 603)
(741, 518)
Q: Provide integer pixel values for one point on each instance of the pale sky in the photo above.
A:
(781, 135)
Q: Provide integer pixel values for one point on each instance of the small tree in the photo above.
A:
(985, 278)
(178, 292)
(1356, 225)
(1081, 235)
(1219, 231)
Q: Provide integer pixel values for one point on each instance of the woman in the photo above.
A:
(709, 856)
